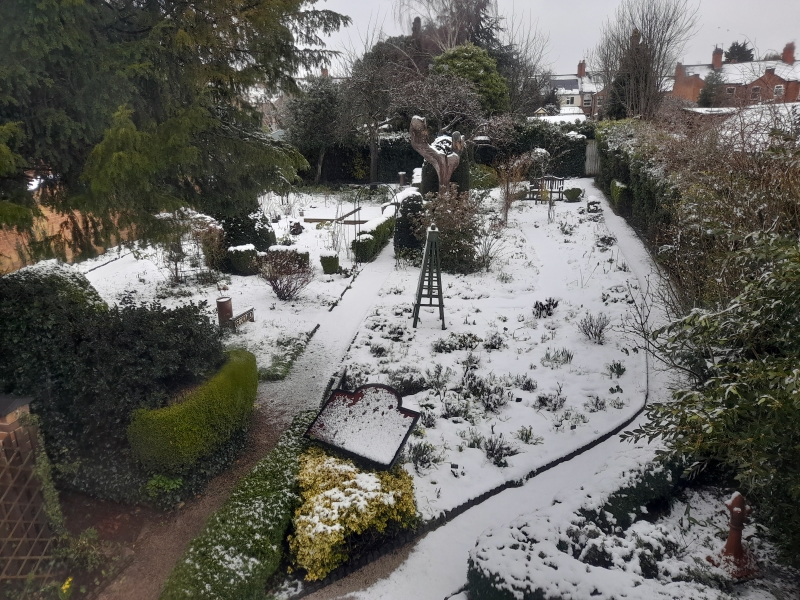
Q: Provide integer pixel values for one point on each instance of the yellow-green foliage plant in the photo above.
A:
(340, 500)
(170, 439)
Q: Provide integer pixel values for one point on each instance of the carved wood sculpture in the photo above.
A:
(444, 164)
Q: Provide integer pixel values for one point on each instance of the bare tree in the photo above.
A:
(451, 23)
(449, 102)
(638, 50)
(522, 61)
(444, 162)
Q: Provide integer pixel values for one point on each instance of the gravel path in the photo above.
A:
(162, 541)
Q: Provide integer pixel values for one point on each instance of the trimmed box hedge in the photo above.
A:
(242, 544)
(173, 438)
(373, 237)
(330, 264)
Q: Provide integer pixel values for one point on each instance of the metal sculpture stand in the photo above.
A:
(430, 277)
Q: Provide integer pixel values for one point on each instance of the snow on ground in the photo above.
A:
(547, 389)
(144, 275)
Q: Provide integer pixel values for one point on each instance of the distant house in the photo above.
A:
(578, 90)
(743, 83)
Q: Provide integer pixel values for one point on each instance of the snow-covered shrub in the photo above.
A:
(526, 436)
(340, 501)
(566, 228)
(495, 341)
(378, 350)
(405, 238)
(556, 358)
(241, 545)
(457, 341)
(488, 391)
(498, 450)
(524, 382)
(544, 309)
(330, 263)
(374, 235)
(242, 260)
(554, 401)
(407, 380)
(472, 437)
(287, 350)
(423, 455)
(616, 367)
(286, 272)
(454, 407)
(595, 404)
(427, 418)
(438, 378)
(573, 194)
(594, 327)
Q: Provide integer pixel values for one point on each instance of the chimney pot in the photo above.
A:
(788, 53)
(716, 58)
(582, 69)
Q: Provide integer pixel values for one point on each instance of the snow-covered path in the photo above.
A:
(302, 389)
(436, 565)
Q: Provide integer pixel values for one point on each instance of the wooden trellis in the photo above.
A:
(26, 540)
(430, 277)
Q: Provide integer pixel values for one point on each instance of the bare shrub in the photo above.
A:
(498, 450)
(286, 273)
(594, 327)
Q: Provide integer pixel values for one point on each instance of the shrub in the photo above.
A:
(616, 367)
(241, 260)
(595, 404)
(498, 450)
(554, 401)
(100, 364)
(457, 216)
(594, 327)
(422, 455)
(488, 392)
(340, 501)
(172, 438)
(330, 263)
(375, 234)
(287, 272)
(483, 177)
(556, 358)
(407, 380)
(472, 437)
(457, 341)
(252, 229)
(526, 436)
(454, 407)
(544, 309)
(495, 341)
(573, 194)
(241, 545)
(411, 207)
(289, 348)
(427, 418)
(212, 243)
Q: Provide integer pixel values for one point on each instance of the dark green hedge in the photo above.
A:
(645, 200)
(241, 262)
(330, 264)
(173, 438)
(404, 239)
(343, 163)
(366, 247)
(242, 544)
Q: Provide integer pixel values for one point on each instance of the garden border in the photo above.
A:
(448, 515)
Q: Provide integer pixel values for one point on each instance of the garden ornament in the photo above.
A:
(738, 562)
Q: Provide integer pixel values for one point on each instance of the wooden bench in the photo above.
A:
(553, 185)
(243, 317)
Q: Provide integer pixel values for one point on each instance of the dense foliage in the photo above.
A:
(127, 108)
(340, 501)
(476, 66)
(743, 410)
(241, 545)
(457, 216)
(373, 237)
(175, 437)
(90, 367)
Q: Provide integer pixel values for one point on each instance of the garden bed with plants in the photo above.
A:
(532, 367)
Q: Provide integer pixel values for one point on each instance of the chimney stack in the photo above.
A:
(324, 72)
(582, 69)
(788, 53)
(716, 58)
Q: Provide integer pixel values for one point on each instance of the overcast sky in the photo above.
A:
(573, 26)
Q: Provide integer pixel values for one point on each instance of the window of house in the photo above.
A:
(730, 91)
(570, 100)
(587, 101)
(755, 92)
(778, 90)
(599, 101)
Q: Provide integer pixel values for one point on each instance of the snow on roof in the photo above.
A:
(370, 423)
(571, 110)
(561, 118)
(743, 73)
(711, 111)
(752, 128)
(573, 85)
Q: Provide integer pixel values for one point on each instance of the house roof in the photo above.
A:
(573, 85)
(744, 73)
(752, 128)
(561, 118)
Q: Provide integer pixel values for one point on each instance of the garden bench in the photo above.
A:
(242, 318)
(553, 185)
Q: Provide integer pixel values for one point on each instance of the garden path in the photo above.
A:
(435, 566)
(303, 388)
(164, 537)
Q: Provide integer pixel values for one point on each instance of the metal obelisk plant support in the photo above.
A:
(430, 277)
